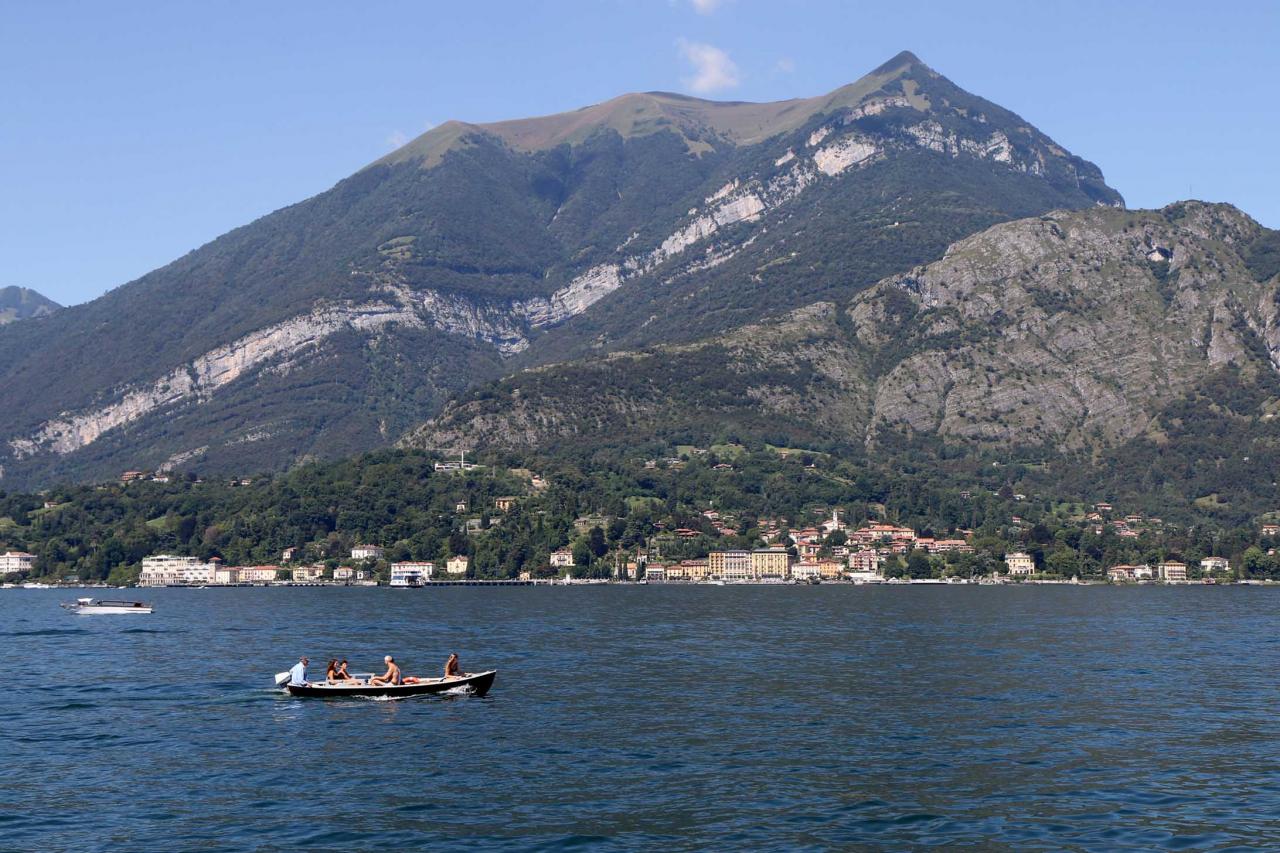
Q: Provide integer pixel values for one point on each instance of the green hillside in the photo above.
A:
(330, 326)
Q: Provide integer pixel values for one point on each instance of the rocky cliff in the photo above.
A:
(1070, 331)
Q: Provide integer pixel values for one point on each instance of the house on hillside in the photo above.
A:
(1020, 563)
(16, 561)
(366, 552)
(308, 574)
(457, 566)
(1172, 572)
(866, 560)
(1215, 564)
(1120, 574)
(562, 558)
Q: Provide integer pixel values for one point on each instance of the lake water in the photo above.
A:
(650, 718)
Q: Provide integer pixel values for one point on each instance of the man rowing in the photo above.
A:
(391, 676)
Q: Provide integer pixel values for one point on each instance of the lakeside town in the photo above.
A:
(829, 552)
(722, 514)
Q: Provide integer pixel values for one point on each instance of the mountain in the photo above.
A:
(1096, 341)
(21, 303)
(336, 324)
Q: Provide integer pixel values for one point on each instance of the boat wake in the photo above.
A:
(462, 690)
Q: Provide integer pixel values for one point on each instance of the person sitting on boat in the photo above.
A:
(331, 672)
(453, 669)
(391, 676)
(298, 673)
(341, 672)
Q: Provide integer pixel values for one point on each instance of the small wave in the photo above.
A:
(47, 632)
(147, 631)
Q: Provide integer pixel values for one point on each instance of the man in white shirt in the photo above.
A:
(298, 674)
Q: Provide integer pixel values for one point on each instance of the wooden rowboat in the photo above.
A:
(475, 684)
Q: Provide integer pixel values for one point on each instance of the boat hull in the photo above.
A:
(478, 685)
(110, 611)
(101, 607)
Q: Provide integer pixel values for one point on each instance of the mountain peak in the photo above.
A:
(644, 113)
(21, 303)
(903, 59)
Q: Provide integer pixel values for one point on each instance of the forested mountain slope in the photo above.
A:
(333, 325)
(1086, 340)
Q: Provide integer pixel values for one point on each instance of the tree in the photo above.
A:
(918, 565)
(595, 541)
(1063, 562)
(893, 567)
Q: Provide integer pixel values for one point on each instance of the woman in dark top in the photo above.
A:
(331, 671)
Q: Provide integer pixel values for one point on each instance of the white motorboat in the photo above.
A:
(104, 607)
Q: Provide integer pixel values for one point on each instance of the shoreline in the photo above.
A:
(498, 582)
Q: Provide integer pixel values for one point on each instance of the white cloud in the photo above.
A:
(396, 139)
(705, 7)
(785, 65)
(713, 70)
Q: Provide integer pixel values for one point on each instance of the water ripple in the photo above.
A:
(654, 718)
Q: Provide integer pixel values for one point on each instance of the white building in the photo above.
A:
(806, 570)
(1020, 563)
(308, 574)
(457, 565)
(344, 574)
(1172, 572)
(226, 575)
(411, 574)
(366, 552)
(562, 558)
(16, 561)
(1215, 564)
(171, 570)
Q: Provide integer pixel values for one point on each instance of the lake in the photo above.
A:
(631, 717)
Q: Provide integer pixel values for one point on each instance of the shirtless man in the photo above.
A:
(391, 676)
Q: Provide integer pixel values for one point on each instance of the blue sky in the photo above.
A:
(131, 133)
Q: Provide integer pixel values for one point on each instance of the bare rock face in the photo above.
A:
(1061, 330)
(1070, 330)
